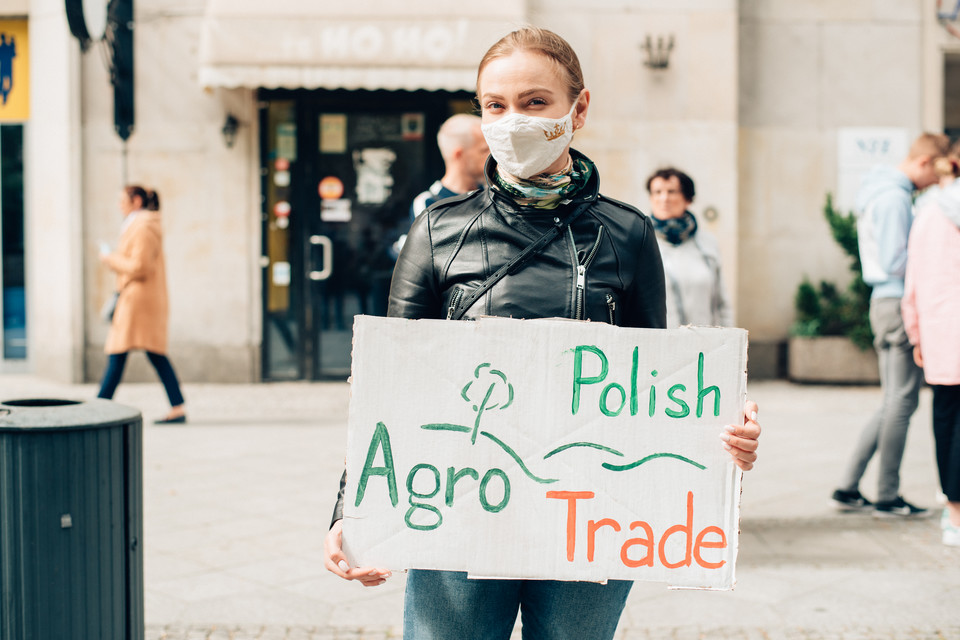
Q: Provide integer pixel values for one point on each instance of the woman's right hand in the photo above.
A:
(336, 562)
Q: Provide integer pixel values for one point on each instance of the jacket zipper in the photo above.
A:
(582, 266)
(454, 301)
(612, 308)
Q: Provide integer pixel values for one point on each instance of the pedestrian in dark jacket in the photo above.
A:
(604, 267)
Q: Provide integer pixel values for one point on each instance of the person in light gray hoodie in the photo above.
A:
(884, 210)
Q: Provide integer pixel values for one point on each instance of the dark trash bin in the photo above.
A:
(71, 520)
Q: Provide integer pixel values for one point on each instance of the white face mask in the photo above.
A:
(526, 145)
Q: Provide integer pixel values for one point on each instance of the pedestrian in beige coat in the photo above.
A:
(140, 317)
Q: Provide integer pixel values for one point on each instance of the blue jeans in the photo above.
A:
(900, 379)
(446, 605)
(117, 361)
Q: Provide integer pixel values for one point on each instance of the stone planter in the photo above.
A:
(831, 360)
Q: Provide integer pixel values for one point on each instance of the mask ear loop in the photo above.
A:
(573, 110)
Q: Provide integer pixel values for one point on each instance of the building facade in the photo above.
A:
(287, 139)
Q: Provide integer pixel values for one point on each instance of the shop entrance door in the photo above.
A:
(339, 171)
(13, 311)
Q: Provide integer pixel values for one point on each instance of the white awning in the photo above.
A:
(359, 44)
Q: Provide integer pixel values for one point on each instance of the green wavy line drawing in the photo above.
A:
(582, 444)
(652, 456)
(443, 426)
(517, 459)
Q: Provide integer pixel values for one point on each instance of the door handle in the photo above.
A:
(326, 266)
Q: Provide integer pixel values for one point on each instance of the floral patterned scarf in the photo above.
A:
(545, 191)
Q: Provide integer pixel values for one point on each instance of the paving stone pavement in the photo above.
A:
(236, 503)
(313, 633)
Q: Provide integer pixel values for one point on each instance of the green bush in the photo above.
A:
(827, 311)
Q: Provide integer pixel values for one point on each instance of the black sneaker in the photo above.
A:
(898, 508)
(850, 500)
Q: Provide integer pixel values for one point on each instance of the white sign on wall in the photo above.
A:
(859, 149)
(544, 449)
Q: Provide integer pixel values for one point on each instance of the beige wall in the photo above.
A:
(209, 197)
(807, 69)
(643, 119)
(53, 226)
(941, 71)
(15, 7)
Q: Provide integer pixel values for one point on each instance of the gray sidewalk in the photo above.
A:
(237, 503)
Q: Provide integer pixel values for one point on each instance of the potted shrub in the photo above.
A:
(831, 340)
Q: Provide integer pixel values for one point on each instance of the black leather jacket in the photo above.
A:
(605, 267)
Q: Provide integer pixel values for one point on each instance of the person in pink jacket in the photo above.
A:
(931, 309)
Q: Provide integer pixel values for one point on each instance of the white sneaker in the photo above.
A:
(951, 535)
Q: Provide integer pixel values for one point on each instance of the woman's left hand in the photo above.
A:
(742, 441)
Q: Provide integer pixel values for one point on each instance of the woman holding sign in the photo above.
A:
(569, 252)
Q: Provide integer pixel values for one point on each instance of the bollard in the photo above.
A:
(71, 520)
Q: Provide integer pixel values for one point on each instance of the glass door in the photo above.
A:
(13, 309)
(280, 261)
(340, 172)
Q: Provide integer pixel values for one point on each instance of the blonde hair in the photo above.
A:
(546, 43)
(935, 145)
(949, 165)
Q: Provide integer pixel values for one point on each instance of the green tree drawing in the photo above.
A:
(497, 387)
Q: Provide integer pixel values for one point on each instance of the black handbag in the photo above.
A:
(109, 307)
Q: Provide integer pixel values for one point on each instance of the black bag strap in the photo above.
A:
(517, 263)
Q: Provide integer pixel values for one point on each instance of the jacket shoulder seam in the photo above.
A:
(445, 203)
(621, 205)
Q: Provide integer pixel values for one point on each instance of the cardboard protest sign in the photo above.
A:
(544, 449)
